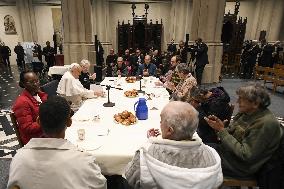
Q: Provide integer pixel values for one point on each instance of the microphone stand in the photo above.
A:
(108, 103)
(140, 90)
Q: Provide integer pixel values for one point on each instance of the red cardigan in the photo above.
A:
(26, 110)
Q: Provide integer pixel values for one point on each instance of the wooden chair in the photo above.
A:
(278, 66)
(16, 128)
(237, 63)
(268, 75)
(238, 182)
(50, 88)
(225, 62)
(16, 187)
(279, 79)
(259, 72)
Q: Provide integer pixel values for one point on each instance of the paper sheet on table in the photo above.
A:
(95, 137)
(85, 115)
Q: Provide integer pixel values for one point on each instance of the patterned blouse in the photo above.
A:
(184, 87)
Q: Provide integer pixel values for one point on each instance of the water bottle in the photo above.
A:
(141, 109)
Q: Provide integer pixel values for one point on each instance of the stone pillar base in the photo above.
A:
(212, 71)
(75, 52)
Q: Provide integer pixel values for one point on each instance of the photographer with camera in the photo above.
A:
(199, 52)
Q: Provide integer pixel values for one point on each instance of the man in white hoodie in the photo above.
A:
(178, 159)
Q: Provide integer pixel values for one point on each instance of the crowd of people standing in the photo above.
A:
(37, 52)
(263, 54)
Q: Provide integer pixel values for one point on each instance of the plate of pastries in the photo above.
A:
(131, 94)
(125, 118)
(130, 79)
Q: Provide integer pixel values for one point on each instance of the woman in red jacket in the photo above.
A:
(26, 107)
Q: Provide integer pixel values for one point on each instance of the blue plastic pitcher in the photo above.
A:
(141, 109)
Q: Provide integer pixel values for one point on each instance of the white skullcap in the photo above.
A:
(84, 62)
(74, 65)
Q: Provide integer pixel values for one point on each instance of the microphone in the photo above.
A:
(108, 103)
(140, 90)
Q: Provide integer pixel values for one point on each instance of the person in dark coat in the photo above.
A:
(182, 52)
(126, 59)
(266, 55)
(19, 50)
(156, 59)
(251, 59)
(201, 56)
(276, 52)
(148, 68)
(85, 78)
(135, 61)
(172, 49)
(37, 51)
(6, 53)
(110, 62)
(49, 52)
(210, 102)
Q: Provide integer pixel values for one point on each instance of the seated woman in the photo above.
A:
(26, 106)
(178, 159)
(182, 90)
(253, 136)
(71, 88)
(85, 77)
(210, 102)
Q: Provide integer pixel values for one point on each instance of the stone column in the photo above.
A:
(207, 24)
(27, 18)
(268, 16)
(77, 29)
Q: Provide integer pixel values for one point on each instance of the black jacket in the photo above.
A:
(19, 50)
(201, 54)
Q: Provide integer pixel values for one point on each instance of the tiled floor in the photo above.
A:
(9, 89)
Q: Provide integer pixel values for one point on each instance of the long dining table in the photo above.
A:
(114, 144)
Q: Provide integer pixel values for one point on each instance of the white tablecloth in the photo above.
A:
(58, 70)
(114, 144)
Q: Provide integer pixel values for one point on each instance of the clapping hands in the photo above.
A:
(215, 122)
(93, 76)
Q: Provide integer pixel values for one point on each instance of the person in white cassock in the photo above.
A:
(71, 88)
(178, 159)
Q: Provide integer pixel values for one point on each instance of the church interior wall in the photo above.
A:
(44, 24)
(281, 35)
(10, 40)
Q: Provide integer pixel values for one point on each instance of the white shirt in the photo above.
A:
(72, 89)
(50, 163)
(37, 98)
